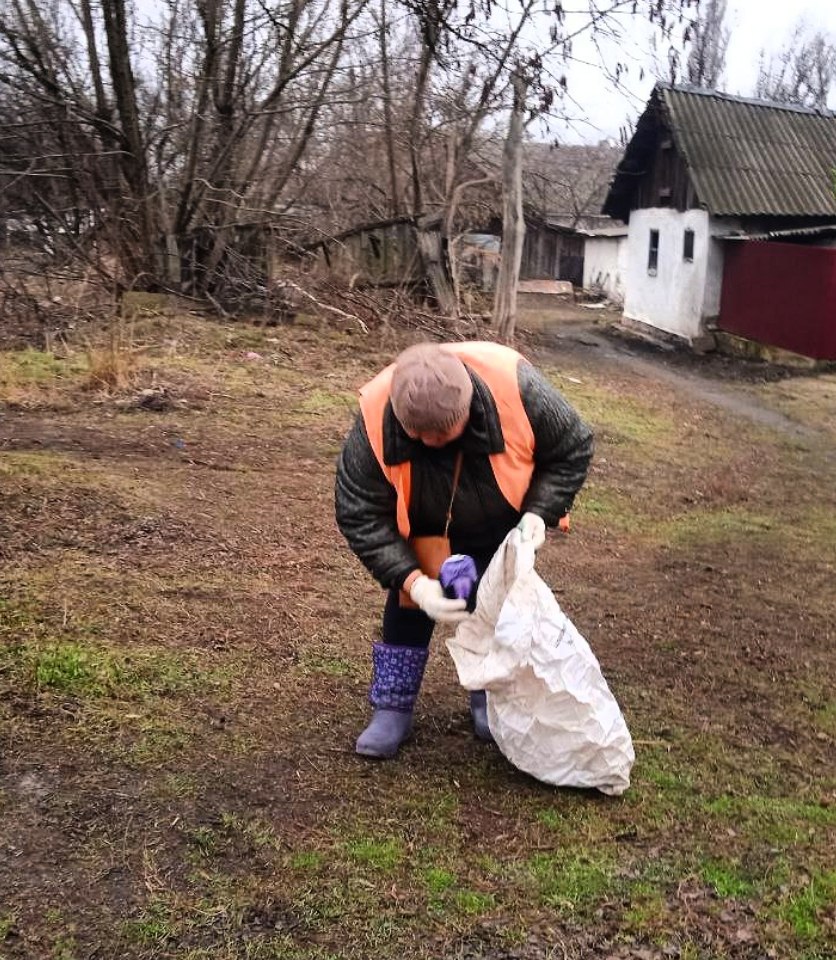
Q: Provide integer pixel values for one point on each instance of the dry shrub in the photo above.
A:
(113, 366)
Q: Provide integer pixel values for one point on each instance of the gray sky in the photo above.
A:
(754, 25)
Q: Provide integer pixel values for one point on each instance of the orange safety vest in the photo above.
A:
(496, 365)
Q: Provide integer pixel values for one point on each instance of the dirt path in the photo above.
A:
(693, 374)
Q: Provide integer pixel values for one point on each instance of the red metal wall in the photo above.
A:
(781, 294)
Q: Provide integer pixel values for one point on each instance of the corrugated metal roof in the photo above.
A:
(607, 232)
(822, 231)
(753, 157)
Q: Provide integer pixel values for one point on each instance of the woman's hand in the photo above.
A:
(532, 530)
(428, 594)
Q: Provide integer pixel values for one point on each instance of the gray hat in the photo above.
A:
(431, 389)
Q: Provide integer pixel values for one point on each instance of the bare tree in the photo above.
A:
(155, 145)
(568, 182)
(802, 73)
(513, 221)
(709, 43)
(172, 134)
(529, 40)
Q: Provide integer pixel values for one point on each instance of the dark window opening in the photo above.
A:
(688, 246)
(653, 253)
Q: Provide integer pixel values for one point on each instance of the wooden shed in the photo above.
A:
(382, 254)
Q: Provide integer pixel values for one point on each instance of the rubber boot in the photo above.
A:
(397, 673)
(479, 715)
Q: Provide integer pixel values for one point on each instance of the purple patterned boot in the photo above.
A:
(396, 678)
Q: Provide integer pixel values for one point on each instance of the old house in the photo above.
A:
(730, 208)
(605, 261)
(563, 186)
(552, 250)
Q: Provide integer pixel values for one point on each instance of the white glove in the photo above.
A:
(532, 530)
(429, 595)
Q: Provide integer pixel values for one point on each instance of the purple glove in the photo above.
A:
(458, 577)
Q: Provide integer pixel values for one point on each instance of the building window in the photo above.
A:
(653, 253)
(688, 246)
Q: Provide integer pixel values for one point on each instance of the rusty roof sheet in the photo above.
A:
(753, 157)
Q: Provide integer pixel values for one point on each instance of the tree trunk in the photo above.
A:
(146, 263)
(388, 121)
(513, 222)
(435, 266)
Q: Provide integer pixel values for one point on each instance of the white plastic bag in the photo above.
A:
(549, 707)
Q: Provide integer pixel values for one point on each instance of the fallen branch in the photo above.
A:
(324, 306)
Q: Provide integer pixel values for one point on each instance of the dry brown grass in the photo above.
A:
(114, 366)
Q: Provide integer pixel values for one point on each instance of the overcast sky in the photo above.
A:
(600, 109)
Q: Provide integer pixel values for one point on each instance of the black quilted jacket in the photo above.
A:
(366, 501)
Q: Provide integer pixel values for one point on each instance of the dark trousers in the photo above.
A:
(410, 627)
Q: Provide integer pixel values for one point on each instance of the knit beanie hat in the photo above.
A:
(431, 389)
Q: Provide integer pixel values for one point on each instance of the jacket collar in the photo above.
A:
(482, 435)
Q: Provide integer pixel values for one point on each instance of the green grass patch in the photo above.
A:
(204, 842)
(804, 910)
(98, 494)
(319, 402)
(154, 927)
(435, 810)
(65, 948)
(380, 854)
(307, 860)
(253, 831)
(330, 665)
(663, 793)
(573, 880)
(472, 903)
(23, 369)
(824, 717)
(159, 740)
(812, 533)
(90, 671)
(718, 526)
(576, 822)
(437, 881)
(73, 658)
(599, 505)
(667, 778)
(785, 815)
(239, 378)
(617, 417)
(73, 669)
(39, 464)
(647, 908)
(18, 619)
(727, 879)
(180, 786)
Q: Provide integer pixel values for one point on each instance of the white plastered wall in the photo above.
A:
(605, 265)
(681, 294)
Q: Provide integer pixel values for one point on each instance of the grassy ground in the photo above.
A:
(184, 645)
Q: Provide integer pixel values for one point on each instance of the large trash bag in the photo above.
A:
(549, 707)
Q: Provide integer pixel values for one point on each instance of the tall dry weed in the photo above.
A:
(113, 366)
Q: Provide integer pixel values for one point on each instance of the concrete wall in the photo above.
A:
(605, 265)
(679, 294)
